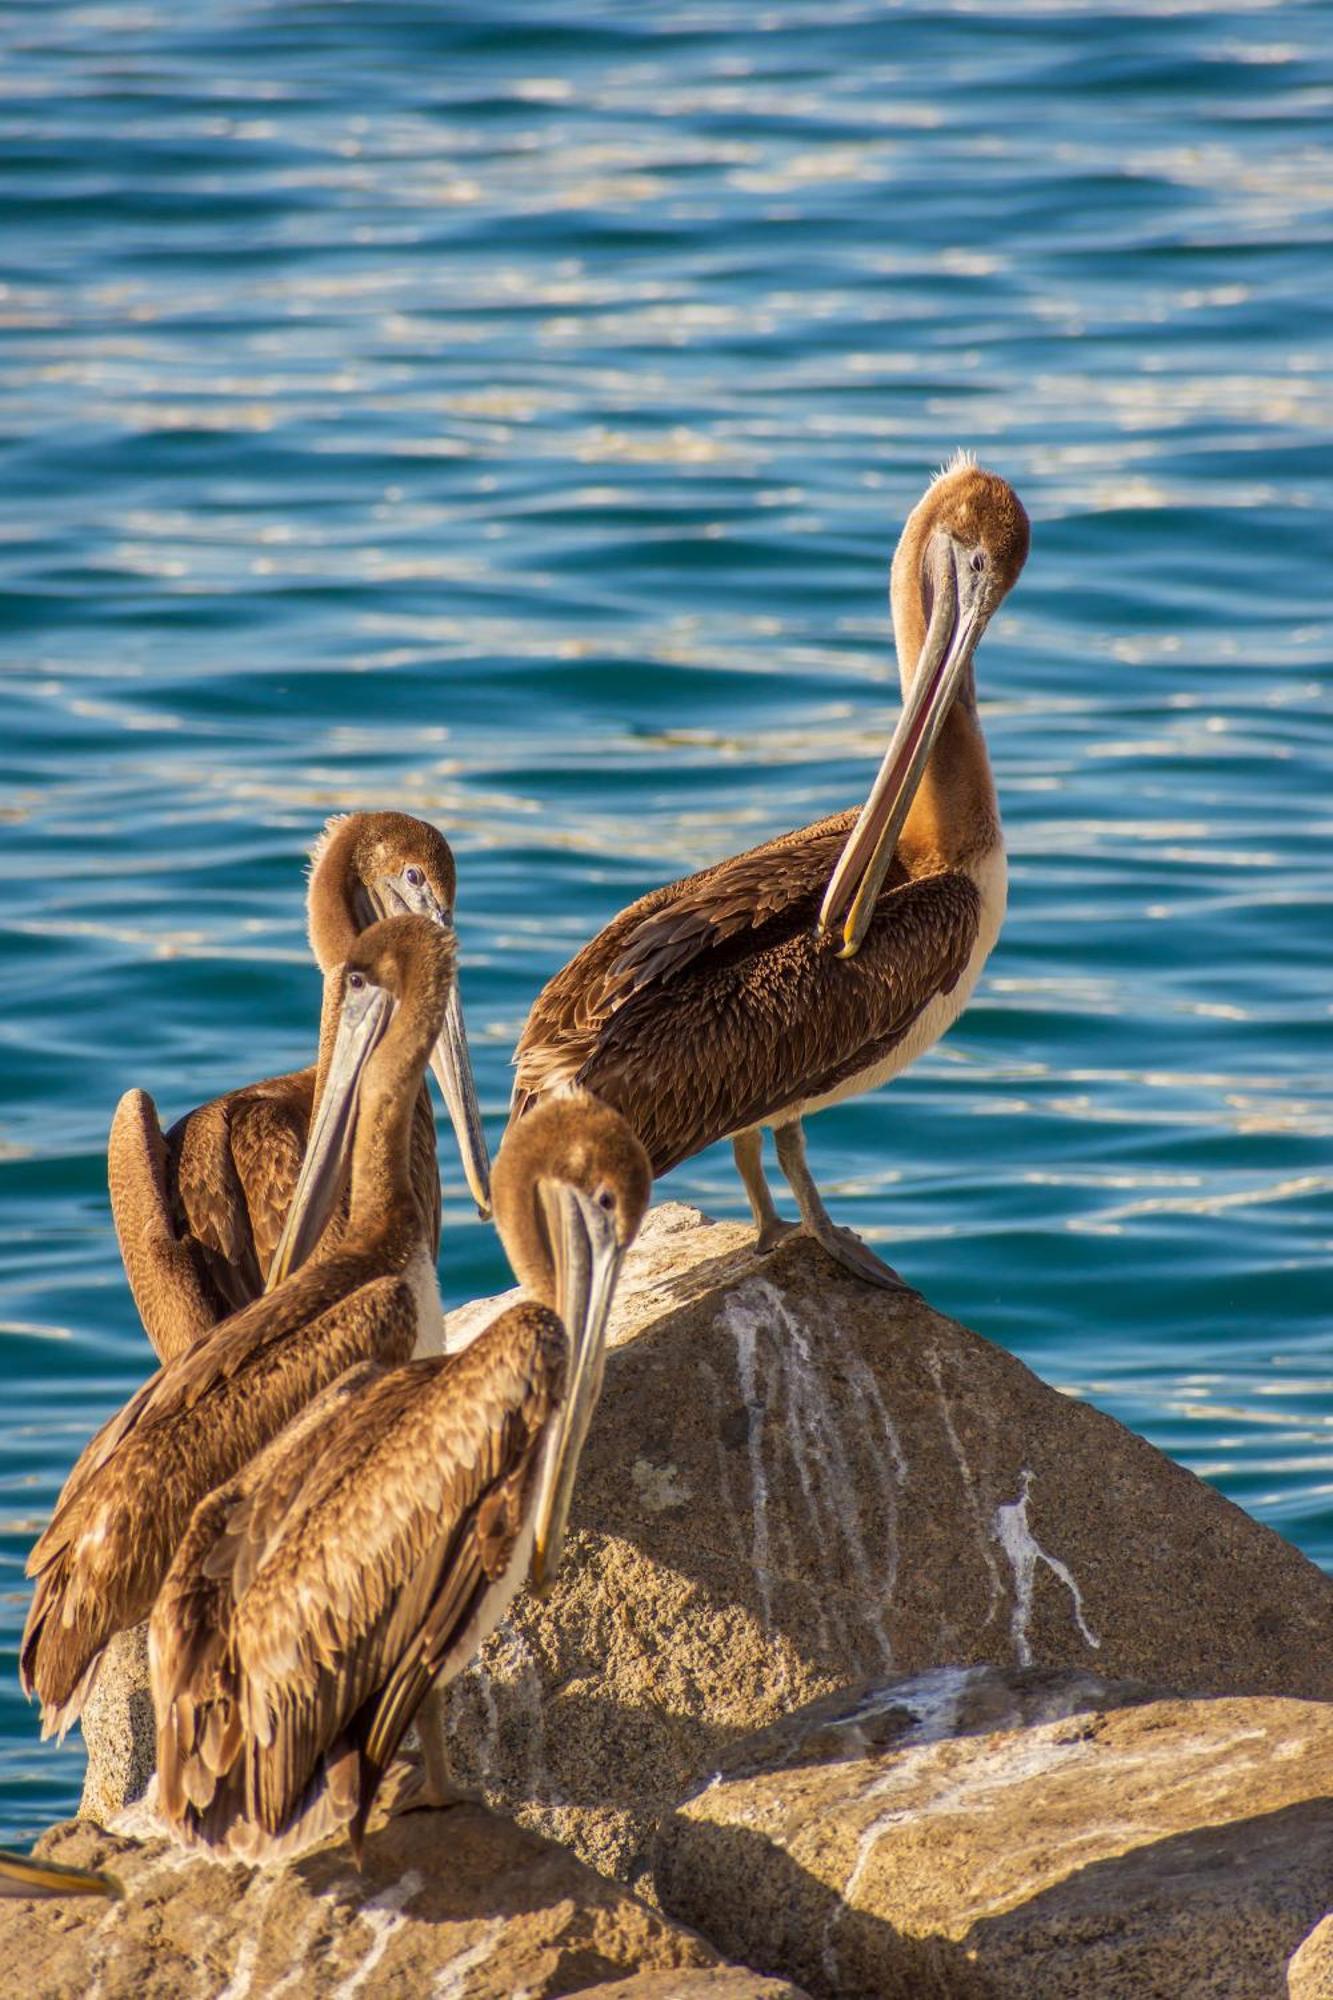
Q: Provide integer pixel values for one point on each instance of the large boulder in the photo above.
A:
(981, 1834)
(455, 1903)
(794, 1482)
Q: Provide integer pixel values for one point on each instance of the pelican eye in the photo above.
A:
(414, 876)
(606, 1200)
(356, 981)
(978, 561)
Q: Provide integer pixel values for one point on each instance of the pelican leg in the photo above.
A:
(842, 1245)
(431, 1782)
(749, 1150)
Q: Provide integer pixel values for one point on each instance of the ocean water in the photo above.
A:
(507, 412)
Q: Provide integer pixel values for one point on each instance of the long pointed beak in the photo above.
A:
(328, 1150)
(24, 1875)
(453, 1072)
(587, 1265)
(945, 657)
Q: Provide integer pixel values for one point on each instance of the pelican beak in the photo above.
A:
(587, 1265)
(450, 1060)
(453, 1072)
(957, 620)
(364, 1015)
(24, 1875)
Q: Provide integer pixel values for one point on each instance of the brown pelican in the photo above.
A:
(357, 1565)
(818, 965)
(369, 1296)
(198, 1211)
(25, 1875)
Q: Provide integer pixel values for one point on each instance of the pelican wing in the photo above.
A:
(126, 1504)
(727, 973)
(319, 1594)
(771, 890)
(238, 1163)
(781, 1025)
(175, 1300)
(199, 1210)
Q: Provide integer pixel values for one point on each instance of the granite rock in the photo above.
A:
(456, 1903)
(985, 1834)
(1310, 1973)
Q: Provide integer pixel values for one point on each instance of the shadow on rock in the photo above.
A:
(1071, 1847)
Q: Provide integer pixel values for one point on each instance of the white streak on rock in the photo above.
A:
(935, 1699)
(383, 1915)
(243, 1971)
(1015, 1536)
(745, 1325)
(505, 1685)
(449, 1983)
(247, 1951)
(841, 1468)
(968, 1481)
(297, 1949)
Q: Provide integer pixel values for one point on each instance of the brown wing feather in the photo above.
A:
(728, 970)
(332, 1596)
(657, 937)
(782, 1025)
(126, 1504)
(171, 1288)
(199, 1212)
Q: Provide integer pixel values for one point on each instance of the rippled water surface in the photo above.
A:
(508, 412)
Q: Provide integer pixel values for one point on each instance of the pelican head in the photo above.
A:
(387, 864)
(394, 989)
(571, 1186)
(960, 554)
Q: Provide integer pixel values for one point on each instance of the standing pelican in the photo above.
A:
(359, 1563)
(369, 1296)
(818, 965)
(198, 1212)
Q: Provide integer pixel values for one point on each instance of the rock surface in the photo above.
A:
(119, 1730)
(458, 1904)
(1310, 1974)
(995, 1835)
(726, 1983)
(795, 1482)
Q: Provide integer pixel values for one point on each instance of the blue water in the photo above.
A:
(507, 412)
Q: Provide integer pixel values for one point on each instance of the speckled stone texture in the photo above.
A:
(453, 1904)
(1310, 1973)
(794, 1482)
(982, 1834)
(118, 1729)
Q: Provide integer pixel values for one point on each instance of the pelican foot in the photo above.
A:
(410, 1789)
(845, 1247)
(768, 1238)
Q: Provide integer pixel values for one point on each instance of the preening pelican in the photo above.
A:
(816, 966)
(370, 1296)
(358, 1564)
(198, 1211)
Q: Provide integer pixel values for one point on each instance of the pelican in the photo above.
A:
(820, 964)
(199, 1210)
(25, 1876)
(358, 1564)
(371, 1295)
